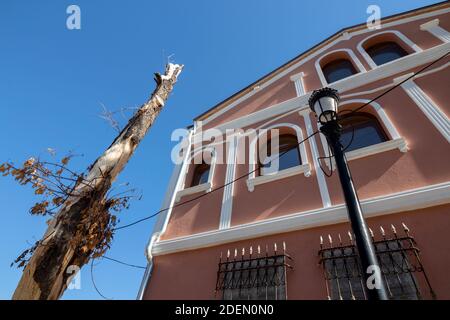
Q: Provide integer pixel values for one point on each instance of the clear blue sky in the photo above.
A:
(52, 81)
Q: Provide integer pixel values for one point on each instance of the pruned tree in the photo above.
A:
(83, 225)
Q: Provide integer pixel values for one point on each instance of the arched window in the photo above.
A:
(201, 174)
(367, 131)
(338, 69)
(384, 52)
(288, 147)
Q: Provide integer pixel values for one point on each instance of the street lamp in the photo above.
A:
(324, 103)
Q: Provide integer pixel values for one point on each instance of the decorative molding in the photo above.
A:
(405, 201)
(437, 31)
(204, 187)
(384, 71)
(428, 107)
(396, 142)
(298, 82)
(201, 188)
(227, 200)
(323, 188)
(400, 35)
(352, 58)
(253, 152)
(429, 25)
(345, 36)
(289, 172)
(396, 81)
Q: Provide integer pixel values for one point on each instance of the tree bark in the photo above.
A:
(45, 276)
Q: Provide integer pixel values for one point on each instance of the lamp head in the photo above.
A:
(324, 103)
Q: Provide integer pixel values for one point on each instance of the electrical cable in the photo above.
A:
(247, 174)
(368, 103)
(124, 263)
(401, 82)
(205, 194)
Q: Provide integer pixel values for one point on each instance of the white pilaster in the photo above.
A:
(437, 31)
(323, 188)
(428, 107)
(298, 82)
(227, 200)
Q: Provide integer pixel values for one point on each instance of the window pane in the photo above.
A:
(386, 52)
(290, 159)
(367, 132)
(201, 174)
(204, 176)
(338, 70)
(288, 147)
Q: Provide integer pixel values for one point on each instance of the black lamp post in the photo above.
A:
(324, 103)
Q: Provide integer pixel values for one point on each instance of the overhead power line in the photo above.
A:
(247, 174)
(205, 194)
(307, 138)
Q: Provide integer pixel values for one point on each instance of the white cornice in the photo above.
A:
(398, 202)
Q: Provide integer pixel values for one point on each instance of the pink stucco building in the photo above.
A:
(238, 232)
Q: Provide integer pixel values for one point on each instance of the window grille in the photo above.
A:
(400, 265)
(253, 276)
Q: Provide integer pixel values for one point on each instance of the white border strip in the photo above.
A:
(227, 199)
(399, 202)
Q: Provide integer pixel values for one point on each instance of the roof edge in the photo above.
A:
(271, 74)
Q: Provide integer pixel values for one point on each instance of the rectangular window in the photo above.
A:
(253, 278)
(399, 262)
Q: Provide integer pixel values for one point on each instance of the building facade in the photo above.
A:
(235, 230)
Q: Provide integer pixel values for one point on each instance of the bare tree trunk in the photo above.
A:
(45, 275)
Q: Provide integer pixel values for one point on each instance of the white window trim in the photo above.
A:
(436, 30)
(204, 187)
(396, 141)
(289, 172)
(400, 35)
(352, 57)
(305, 167)
(357, 81)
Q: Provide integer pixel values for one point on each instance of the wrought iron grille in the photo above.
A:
(254, 276)
(400, 265)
